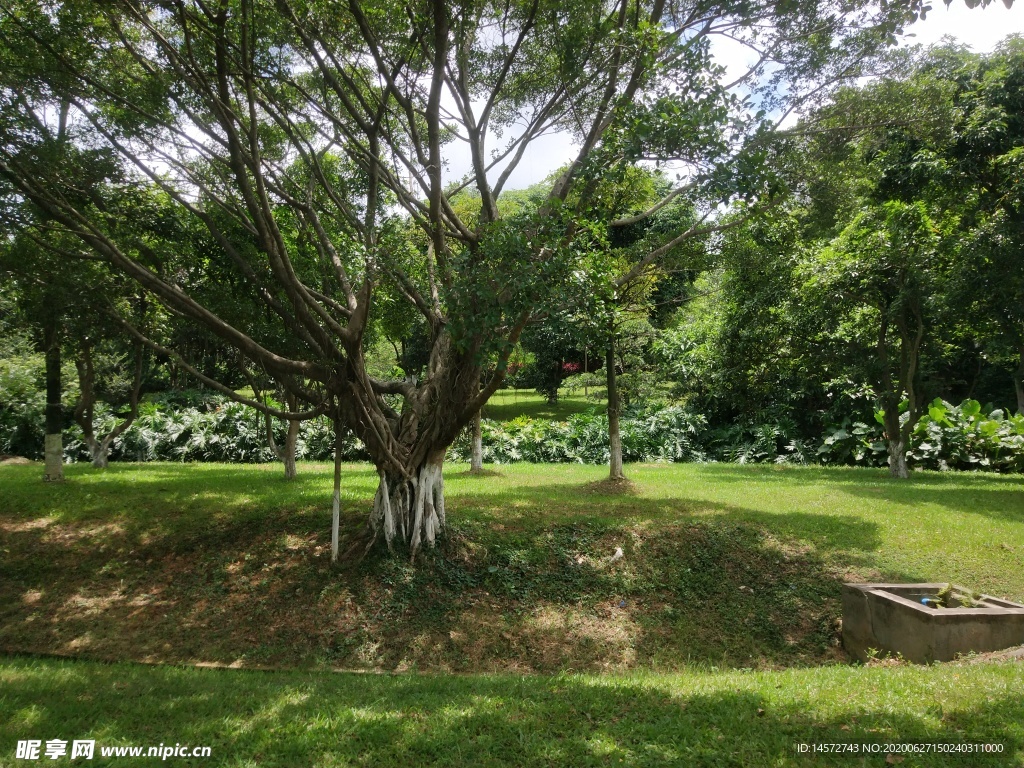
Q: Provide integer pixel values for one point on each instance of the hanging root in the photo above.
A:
(428, 506)
(382, 519)
(410, 510)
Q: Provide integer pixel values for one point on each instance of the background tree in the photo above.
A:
(883, 268)
(100, 373)
(978, 174)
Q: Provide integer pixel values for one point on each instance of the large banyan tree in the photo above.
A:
(277, 171)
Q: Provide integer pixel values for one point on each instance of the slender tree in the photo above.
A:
(53, 449)
(880, 273)
(84, 411)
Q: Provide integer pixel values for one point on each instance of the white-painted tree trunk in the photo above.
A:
(99, 447)
(409, 512)
(476, 463)
(896, 440)
(99, 452)
(53, 454)
(614, 435)
(336, 504)
(53, 442)
(287, 453)
(898, 459)
(335, 522)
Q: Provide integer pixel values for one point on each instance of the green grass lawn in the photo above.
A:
(705, 718)
(230, 565)
(508, 404)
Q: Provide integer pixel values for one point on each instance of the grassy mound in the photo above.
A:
(721, 565)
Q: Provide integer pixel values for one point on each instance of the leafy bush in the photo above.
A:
(593, 384)
(218, 430)
(945, 437)
(23, 395)
(22, 404)
(965, 437)
(857, 444)
(666, 434)
(774, 440)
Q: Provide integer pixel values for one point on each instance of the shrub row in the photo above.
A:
(219, 430)
(666, 434)
(947, 436)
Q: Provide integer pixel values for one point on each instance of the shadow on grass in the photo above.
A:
(610, 504)
(292, 719)
(180, 563)
(547, 598)
(178, 500)
(730, 586)
(212, 563)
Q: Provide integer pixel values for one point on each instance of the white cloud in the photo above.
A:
(979, 28)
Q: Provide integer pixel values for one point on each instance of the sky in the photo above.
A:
(979, 28)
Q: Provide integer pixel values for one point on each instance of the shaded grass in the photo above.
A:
(230, 564)
(508, 404)
(698, 718)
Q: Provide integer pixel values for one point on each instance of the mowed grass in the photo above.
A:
(726, 566)
(508, 404)
(694, 718)
(229, 565)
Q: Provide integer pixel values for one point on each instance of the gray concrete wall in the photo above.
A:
(876, 618)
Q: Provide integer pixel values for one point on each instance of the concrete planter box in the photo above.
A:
(891, 619)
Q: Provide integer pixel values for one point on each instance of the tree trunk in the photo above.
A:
(410, 511)
(286, 454)
(586, 371)
(614, 437)
(290, 470)
(476, 463)
(292, 438)
(1018, 381)
(53, 446)
(99, 452)
(99, 448)
(898, 459)
(336, 504)
(895, 441)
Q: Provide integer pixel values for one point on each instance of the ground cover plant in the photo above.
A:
(721, 564)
